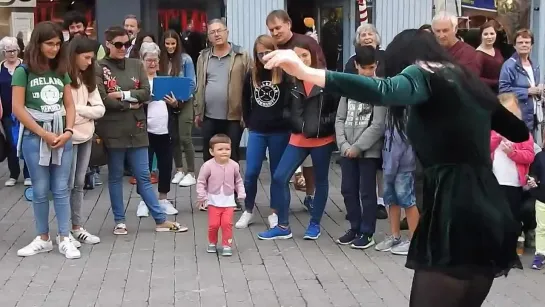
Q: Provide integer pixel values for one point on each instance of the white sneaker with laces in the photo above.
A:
(10, 182)
(167, 207)
(84, 236)
(68, 249)
(188, 180)
(245, 220)
(35, 247)
(273, 220)
(75, 242)
(142, 210)
(178, 177)
(28, 182)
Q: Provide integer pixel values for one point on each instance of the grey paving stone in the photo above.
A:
(149, 269)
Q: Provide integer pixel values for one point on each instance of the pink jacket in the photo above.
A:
(214, 176)
(89, 107)
(523, 154)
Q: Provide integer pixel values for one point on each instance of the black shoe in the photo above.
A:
(239, 206)
(348, 237)
(363, 242)
(404, 225)
(382, 214)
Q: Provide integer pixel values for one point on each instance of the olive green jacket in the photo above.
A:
(122, 127)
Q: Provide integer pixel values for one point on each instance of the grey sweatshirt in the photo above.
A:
(361, 126)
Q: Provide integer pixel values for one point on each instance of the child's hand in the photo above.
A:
(199, 203)
(531, 182)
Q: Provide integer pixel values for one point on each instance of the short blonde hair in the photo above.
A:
(148, 49)
(9, 43)
(510, 102)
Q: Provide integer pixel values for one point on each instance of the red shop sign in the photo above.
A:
(184, 15)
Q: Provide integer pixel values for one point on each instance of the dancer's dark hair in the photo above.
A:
(365, 55)
(411, 46)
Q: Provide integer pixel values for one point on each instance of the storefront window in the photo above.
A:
(510, 14)
(55, 10)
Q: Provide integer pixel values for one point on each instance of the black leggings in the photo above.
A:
(161, 146)
(435, 288)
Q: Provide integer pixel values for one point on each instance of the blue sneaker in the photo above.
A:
(313, 232)
(539, 262)
(308, 202)
(275, 233)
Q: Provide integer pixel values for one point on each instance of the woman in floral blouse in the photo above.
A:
(124, 88)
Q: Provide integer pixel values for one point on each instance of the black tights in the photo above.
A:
(433, 289)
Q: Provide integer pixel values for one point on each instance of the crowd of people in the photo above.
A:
(472, 119)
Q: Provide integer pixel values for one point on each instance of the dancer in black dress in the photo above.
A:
(466, 235)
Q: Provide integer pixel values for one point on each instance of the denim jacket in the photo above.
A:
(514, 79)
(188, 70)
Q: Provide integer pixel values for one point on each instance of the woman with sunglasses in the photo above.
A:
(176, 62)
(10, 49)
(265, 112)
(42, 102)
(124, 88)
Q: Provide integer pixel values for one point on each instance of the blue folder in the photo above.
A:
(164, 85)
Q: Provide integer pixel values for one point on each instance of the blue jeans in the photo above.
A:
(291, 159)
(358, 187)
(139, 165)
(52, 178)
(255, 154)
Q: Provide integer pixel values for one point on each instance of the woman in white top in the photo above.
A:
(89, 107)
(159, 121)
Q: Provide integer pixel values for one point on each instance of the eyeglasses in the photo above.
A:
(214, 32)
(151, 61)
(119, 45)
(262, 54)
(10, 51)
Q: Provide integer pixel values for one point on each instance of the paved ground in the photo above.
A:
(159, 270)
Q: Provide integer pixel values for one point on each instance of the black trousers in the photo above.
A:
(13, 160)
(516, 199)
(231, 128)
(161, 146)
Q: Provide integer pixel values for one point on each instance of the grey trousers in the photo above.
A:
(80, 163)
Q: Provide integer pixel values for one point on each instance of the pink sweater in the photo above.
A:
(523, 154)
(89, 107)
(214, 176)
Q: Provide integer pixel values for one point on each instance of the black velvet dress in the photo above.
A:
(466, 225)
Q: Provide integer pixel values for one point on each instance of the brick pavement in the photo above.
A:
(160, 270)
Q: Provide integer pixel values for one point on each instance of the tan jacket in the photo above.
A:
(239, 65)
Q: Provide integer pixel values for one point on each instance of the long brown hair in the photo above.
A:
(174, 59)
(257, 67)
(77, 46)
(35, 59)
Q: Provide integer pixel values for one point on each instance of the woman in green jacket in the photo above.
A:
(124, 88)
(467, 234)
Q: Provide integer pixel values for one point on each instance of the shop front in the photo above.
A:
(17, 18)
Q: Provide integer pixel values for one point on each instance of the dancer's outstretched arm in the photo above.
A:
(508, 125)
(408, 88)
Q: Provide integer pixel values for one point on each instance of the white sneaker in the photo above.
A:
(142, 210)
(84, 236)
(35, 247)
(273, 220)
(68, 249)
(75, 242)
(28, 182)
(167, 207)
(245, 220)
(188, 181)
(178, 177)
(10, 182)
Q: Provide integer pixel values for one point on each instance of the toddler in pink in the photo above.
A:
(219, 179)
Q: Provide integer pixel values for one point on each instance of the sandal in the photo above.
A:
(174, 227)
(120, 229)
(300, 183)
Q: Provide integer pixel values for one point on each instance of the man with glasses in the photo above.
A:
(220, 77)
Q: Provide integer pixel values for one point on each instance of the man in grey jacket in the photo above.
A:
(359, 129)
